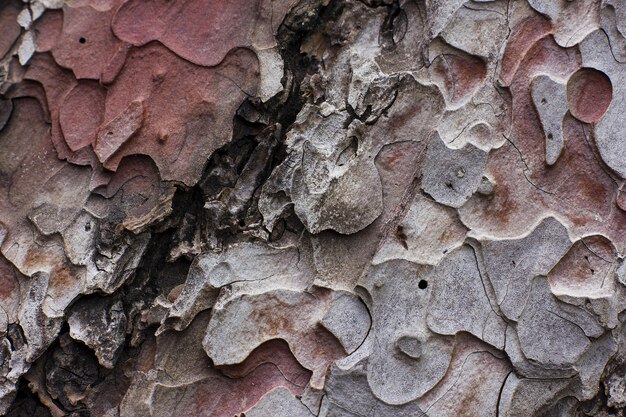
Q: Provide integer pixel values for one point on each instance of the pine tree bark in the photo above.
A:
(301, 208)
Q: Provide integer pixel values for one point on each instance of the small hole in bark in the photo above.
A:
(87, 227)
(82, 40)
(422, 284)
(543, 101)
(550, 136)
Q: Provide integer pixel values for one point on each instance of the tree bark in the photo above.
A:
(299, 208)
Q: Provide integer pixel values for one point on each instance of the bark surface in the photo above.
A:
(297, 208)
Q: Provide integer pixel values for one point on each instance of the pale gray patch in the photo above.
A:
(348, 320)
(279, 402)
(609, 132)
(451, 176)
(400, 291)
(552, 333)
(459, 301)
(550, 99)
(246, 268)
(511, 264)
(349, 395)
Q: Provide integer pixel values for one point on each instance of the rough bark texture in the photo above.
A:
(291, 208)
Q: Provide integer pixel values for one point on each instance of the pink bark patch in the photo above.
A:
(86, 44)
(269, 366)
(187, 109)
(589, 93)
(524, 36)
(461, 75)
(10, 28)
(81, 114)
(202, 32)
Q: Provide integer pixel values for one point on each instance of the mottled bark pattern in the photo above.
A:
(297, 208)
